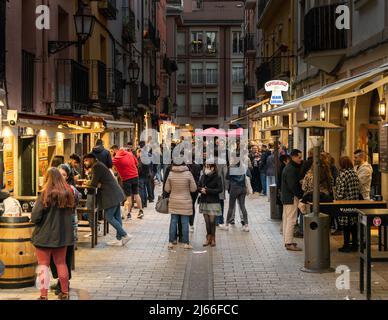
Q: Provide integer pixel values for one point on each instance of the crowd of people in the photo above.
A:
(124, 180)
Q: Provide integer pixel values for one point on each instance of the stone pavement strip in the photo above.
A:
(246, 266)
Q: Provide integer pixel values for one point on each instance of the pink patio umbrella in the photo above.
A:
(236, 133)
(211, 132)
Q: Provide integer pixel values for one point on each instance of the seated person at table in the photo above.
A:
(348, 188)
(110, 196)
(11, 206)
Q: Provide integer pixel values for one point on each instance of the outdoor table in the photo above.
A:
(348, 207)
(367, 218)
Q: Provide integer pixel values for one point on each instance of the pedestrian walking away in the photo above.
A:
(126, 164)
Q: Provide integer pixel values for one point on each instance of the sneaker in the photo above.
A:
(223, 227)
(175, 243)
(140, 215)
(129, 216)
(126, 239)
(232, 222)
(170, 246)
(293, 247)
(63, 296)
(245, 228)
(187, 246)
(115, 243)
(191, 228)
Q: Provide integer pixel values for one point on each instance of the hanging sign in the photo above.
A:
(276, 87)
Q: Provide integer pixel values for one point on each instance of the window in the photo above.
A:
(196, 101)
(237, 102)
(196, 42)
(212, 99)
(181, 102)
(196, 73)
(181, 40)
(237, 73)
(238, 43)
(211, 73)
(181, 73)
(211, 108)
(211, 42)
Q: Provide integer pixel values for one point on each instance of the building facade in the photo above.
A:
(207, 42)
(341, 77)
(58, 96)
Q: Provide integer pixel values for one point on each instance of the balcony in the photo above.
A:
(114, 87)
(277, 67)
(97, 81)
(27, 81)
(151, 40)
(249, 44)
(324, 44)
(108, 9)
(249, 93)
(129, 26)
(202, 111)
(250, 4)
(72, 87)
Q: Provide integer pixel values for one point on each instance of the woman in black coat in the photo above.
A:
(210, 187)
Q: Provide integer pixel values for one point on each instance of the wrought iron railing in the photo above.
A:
(72, 87)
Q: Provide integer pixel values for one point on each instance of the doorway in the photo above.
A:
(27, 166)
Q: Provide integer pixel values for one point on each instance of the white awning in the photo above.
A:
(118, 125)
(343, 89)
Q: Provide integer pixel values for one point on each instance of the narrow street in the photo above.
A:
(244, 266)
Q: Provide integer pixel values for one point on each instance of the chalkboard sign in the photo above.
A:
(384, 148)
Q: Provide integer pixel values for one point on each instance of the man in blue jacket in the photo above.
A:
(102, 154)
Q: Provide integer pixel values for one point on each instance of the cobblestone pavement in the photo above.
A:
(251, 265)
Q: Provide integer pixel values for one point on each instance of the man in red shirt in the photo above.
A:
(126, 164)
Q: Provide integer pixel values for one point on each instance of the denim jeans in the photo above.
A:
(143, 191)
(113, 216)
(270, 180)
(174, 225)
(150, 189)
(159, 173)
(263, 179)
(220, 219)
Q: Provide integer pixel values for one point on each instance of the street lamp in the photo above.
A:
(323, 114)
(316, 224)
(84, 23)
(382, 109)
(345, 111)
(133, 71)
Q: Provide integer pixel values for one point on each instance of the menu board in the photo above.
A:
(8, 149)
(384, 148)
(42, 158)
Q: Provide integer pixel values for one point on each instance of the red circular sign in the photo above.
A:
(377, 222)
